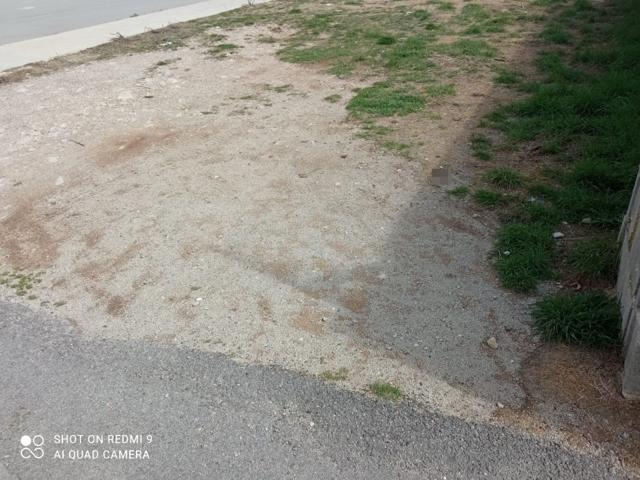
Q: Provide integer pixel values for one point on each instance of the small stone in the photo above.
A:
(586, 220)
(558, 235)
(59, 181)
(506, 252)
(500, 405)
(492, 343)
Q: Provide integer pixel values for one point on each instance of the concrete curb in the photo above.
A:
(45, 48)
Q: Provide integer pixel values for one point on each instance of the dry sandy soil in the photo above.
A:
(225, 205)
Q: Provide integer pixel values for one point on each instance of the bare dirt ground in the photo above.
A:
(223, 204)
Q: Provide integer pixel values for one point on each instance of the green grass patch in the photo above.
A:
(489, 198)
(595, 258)
(468, 48)
(587, 318)
(335, 375)
(397, 147)
(459, 192)
(443, 5)
(504, 76)
(504, 178)
(581, 116)
(555, 33)
(481, 147)
(383, 100)
(386, 391)
(524, 255)
(21, 283)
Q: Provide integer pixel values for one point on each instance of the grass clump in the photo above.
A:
(223, 50)
(595, 258)
(397, 147)
(586, 318)
(524, 255)
(459, 192)
(505, 76)
(489, 198)
(468, 48)
(335, 98)
(383, 100)
(386, 391)
(555, 33)
(481, 147)
(504, 178)
(335, 376)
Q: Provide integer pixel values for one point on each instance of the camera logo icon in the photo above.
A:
(32, 446)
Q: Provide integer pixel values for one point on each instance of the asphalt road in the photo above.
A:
(26, 19)
(199, 415)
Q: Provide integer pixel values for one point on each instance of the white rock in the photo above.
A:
(492, 342)
(558, 234)
(59, 181)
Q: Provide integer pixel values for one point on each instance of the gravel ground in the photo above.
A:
(210, 417)
(224, 205)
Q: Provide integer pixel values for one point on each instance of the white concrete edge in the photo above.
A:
(17, 54)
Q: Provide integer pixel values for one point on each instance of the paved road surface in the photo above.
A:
(25, 19)
(212, 418)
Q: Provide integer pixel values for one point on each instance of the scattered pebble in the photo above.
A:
(492, 343)
(59, 181)
(558, 234)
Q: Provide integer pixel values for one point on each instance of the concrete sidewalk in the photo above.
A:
(44, 48)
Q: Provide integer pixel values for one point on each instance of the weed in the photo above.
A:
(385, 391)
(335, 98)
(223, 50)
(585, 318)
(335, 376)
(168, 61)
(504, 178)
(459, 192)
